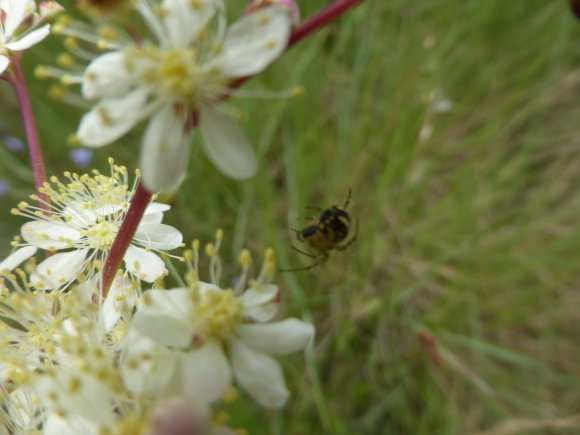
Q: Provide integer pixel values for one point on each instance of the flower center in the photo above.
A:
(220, 312)
(178, 75)
(101, 235)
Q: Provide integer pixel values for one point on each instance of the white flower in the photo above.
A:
(60, 369)
(182, 73)
(80, 223)
(13, 15)
(218, 331)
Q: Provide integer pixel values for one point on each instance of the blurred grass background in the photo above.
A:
(457, 309)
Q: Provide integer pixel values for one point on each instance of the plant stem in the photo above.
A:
(29, 123)
(321, 19)
(124, 236)
(312, 24)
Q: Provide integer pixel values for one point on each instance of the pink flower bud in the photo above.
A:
(49, 9)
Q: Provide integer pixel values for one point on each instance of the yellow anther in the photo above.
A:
(245, 258)
(65, 60)
(210, 250)
(297, 91)
(41, 72)
(71, 43)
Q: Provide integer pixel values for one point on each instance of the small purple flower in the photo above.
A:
(4, 187)
(14, 143)
(81, 157)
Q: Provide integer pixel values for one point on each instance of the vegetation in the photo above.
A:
(456, 309)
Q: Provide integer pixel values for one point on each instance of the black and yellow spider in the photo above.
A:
(332, 230)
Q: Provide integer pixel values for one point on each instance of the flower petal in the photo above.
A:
(16, 11)
(184, 20)
(226, 144)
(29, 39)
(261, 304)
(77, 215)
(54, 424)
(107, 76)
(145, 265)
(4, 62)
(147, 367)
(206, 372)
(158, 236)
(17, 257)
(279, 338)
(111, 118)
(162, 315)
(165, 149)
(154, 213)
(253, 42)
(121, 299)
(260, 375)
(59, 269)
(50, 235)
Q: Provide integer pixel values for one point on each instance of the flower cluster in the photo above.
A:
(91, 340)
(78, 362)
(79, 222)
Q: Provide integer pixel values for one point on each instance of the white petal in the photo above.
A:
(78, 215)
(154, 213)
(107, 77)
(4, 62)
(261, 304)
(71, 425)
(253, 42)
(158, 236)
(17, 257)
(165, 149)
(112, 118)
(50, 235)
(279, 338)
(156, 207)
(91, 399)
(206, 372)
(145, 265)
(163, 315)
(29, 39)
(121, 299)
(15, 14)
(149, 368)
(184, 20)
(260, 375)
(59, 269)
(226, 144)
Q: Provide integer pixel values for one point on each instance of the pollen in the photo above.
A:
(220, 312)
(101, 235)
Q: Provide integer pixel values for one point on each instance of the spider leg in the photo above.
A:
(347, 201)
(304, 252)
(318, 261)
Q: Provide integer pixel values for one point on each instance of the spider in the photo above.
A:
(332, 230)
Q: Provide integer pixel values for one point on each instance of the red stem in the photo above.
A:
(34, 149)
(322, 18)
(312, 24)
(142, 196)
(124, 236)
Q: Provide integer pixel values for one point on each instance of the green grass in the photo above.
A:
(470, 237)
